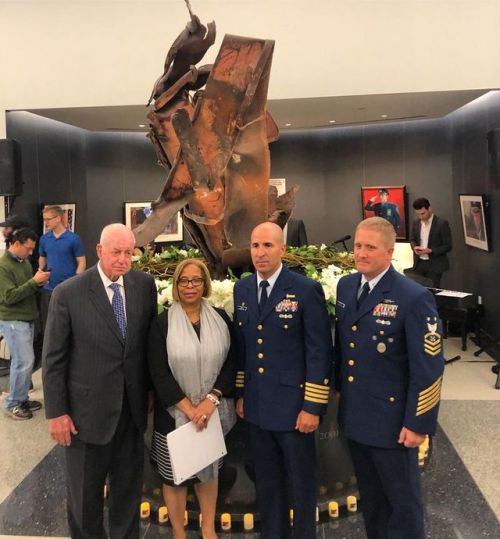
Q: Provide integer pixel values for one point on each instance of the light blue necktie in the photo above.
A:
(119, 308)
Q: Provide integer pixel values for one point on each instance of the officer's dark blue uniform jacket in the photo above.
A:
(386, 210)
(286, 355)
(390, 360)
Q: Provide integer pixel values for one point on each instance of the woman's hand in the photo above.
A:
(186, 406)
(202, 414)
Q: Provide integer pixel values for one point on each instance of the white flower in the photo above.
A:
(322, 247)
(183, 253)
(222, 295)
(164, 289)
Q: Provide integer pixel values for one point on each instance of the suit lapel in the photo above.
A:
(351, 296)
(131, 304)
(249, 296)
(99, 298)
(432, 231)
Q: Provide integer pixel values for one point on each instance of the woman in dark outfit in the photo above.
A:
(192, 369)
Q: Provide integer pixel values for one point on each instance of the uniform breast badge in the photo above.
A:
(432, 339)
(385, 310)
(287, 306)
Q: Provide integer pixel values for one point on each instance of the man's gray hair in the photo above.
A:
(115, 228)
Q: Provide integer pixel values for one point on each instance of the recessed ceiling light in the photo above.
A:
(331, 121)
(142, 125)
(383, 115)
(288, 125)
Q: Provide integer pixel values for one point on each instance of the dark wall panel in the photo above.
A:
(472, 174)
(120, 167)
(53, 165)
(437, 159)
(332, 165)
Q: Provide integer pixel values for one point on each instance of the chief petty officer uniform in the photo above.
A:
(285, 361)
(390, 368)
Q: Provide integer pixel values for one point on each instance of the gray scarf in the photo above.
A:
(196, 363)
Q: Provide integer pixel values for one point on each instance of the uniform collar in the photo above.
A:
(373, 283)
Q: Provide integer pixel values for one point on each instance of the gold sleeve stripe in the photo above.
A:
(319, 401)
(428, 406)
(321, 387)
(240, 379)
(429, 396)
(424, 402)
(431, 387)
(317, 391)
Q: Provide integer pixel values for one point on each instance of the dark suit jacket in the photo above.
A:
(296, 235)
(285, 355)
(389, 362)
(439, 242)
(87, 363)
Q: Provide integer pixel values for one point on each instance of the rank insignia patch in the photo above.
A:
(432, 341)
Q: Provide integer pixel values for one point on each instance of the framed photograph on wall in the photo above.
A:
(68, 218)
(137, 212)
(389, 202)
(474, 212)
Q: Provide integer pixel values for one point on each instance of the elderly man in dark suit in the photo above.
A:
(389, 368)
(430, 240)
(96, 385)
(285, 356)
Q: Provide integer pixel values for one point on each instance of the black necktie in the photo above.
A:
(263, 295)
(364, 294)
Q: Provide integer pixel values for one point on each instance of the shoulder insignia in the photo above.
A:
(432, 340)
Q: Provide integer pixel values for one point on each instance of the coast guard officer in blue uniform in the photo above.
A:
(390, 369)
(285, 355)
(388, 210)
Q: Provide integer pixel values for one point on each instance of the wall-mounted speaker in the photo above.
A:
(10, 168)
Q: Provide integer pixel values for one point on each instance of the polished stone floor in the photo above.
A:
(461, 483)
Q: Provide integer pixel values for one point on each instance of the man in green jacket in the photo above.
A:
(18, 310)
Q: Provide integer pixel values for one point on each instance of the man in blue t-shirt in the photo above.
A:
(61, 253)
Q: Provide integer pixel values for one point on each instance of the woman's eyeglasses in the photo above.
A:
(195, 282)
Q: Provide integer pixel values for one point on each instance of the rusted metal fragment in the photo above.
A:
(155, 224)
(188, 49)
(215, 147)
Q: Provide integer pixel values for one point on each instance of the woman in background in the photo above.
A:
(192, 368)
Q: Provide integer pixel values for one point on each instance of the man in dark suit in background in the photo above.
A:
(296, 235)
(389, 368)
(96, 385)
(285, 358)
(430, 240)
